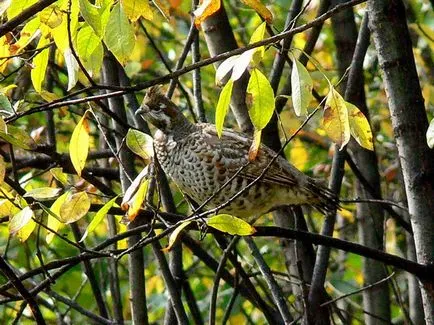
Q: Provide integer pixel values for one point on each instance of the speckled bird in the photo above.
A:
(200, 163)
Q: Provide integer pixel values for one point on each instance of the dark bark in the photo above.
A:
(388, 25)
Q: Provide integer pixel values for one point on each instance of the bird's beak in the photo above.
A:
(143, 109)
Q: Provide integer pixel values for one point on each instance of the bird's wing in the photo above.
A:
(233, 147)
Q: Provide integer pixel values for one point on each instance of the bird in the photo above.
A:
(217, 170)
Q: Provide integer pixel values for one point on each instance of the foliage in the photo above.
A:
(61, 148)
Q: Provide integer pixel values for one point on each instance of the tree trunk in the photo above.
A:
(388, 25)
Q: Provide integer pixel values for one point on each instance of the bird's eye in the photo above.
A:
(159, 108)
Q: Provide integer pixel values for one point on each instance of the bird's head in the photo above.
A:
(160, 111)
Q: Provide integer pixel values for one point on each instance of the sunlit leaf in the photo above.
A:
(51, 16)
(135, 204)
(52, 222)
(17, 7)
(74, 208)
(242, 64)
(302, 85)
(7, 208)
(40, 63)
(224, 68)
(79, 144)
(260, 99)
(258, 35)
(136, 8)
(231, 225)
(20, 219)
(163, 8)
(87, 41)
(133, 188)
(96, 17)
(43, 193)
(119, 35)
(223, 106)
(253, 151)
(99, 216)
(24, 233)
(260, 9)
(335, 120)
(60, 33)
(29, 32)
(430, 134)
(174, 235)
(4, 5)
(141, 144)
(72, 68)
(18, 137)
(359, 127)
(206, 9)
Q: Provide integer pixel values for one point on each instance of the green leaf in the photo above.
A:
(119, 35)
(99, 216)
(19, 220)
(260, 99)
(430, 134)
(96, 17)
(258, 35)
(24, 233)
(359, 127)
(174, 235)
(5, 104)
(40, 63)
(335, 120)
(87, 41)
(18, 137)
(141, 144)
(43, 193)
(79, 144)
(223, 106)
(302, 85)
(231, 225)
(17, 7)
(74, 208)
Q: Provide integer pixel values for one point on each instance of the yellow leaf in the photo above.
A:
(359, 127)
(40, 63)
(43, 193)
(79, 144)
(223, 106)
(137, 200)
(133, 188)
(24, 233)
(206, 9)
(231, 225)
(335, 120)
(260, 99)
(162, 8)
(51, 16)
(141, 144)
(258, 35)
(260, 9)
(19, 220)
(74, 208)
(52, 222)
(2, 170)
(253, 151)
(174, 235)
(59, 175)
(136, 8)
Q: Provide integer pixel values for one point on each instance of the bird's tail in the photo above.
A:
(326, 200)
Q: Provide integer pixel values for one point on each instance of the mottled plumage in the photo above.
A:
(200, 163)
